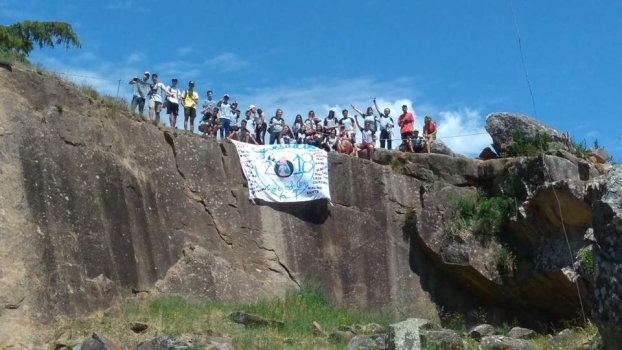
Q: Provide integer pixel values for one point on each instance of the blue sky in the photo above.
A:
(455, 60)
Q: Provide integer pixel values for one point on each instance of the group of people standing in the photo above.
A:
(331, 134)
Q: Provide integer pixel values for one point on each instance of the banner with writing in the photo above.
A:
(284, 173)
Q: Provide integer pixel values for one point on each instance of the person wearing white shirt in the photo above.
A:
(225, 116)
(155, 98)
(173, 95)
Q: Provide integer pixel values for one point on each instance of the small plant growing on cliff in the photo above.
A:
(586, 256)
(528, 148)
(395, 163)
(579, 149)
(506, 260)
(59, 108)
(483, 215)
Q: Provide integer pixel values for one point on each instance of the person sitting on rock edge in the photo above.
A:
(429, 132)
(243, 134)
(368, 139)
(417, 141)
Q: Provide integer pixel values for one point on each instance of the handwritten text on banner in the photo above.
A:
(284, 173)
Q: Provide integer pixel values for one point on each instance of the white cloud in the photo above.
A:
(463, 131)
(135, 57)
(227, 61)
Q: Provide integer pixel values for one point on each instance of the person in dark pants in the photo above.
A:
(141, 89)
(386, 126)
(276, 126)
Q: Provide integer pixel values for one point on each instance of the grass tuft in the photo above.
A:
(175, 316)
(481, 214)
(520, 146)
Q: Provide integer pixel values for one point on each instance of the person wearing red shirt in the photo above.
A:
(429, 132)
(406, 122)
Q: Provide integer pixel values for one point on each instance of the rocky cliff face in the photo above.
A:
(97, 204)
(608, 260)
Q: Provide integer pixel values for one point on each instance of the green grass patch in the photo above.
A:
(506, 260)
(579, 148)
(395, 163)
(520, 146)
(586, 256)
(482, 215)
(174, 316)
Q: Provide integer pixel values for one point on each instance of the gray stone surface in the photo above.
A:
(480, 331)
(498, 342)
(405, 335)
(99, 342)
(521, 333)
(341, 336)
(368, 342)
(487, 153)
(440, 147)
(254, 320)
(165, 342)
(442, 339)
(501, 125)
(600, 154)
(607, 312)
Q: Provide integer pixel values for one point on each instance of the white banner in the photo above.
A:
(284, 173)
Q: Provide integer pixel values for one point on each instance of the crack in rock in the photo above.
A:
(169, 140)
(193, 195)
(278, 260)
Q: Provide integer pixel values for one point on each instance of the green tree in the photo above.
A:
(18, 40)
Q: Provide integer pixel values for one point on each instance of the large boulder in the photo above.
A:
(599, 155)
(607, 310)
(405, 335)
(439, 147)
(501, 126)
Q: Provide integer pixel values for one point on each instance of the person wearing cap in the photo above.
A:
(173, 96)
(189, 99)
(417, 141)
(260, 124)
(226, 116)
(141, 89)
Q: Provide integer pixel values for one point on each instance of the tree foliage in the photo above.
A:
(19, 39)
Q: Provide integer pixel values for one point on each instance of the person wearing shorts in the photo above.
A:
(172, 102)
(189, 99)
(155, 99)
(368, 139)
(406, 121)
